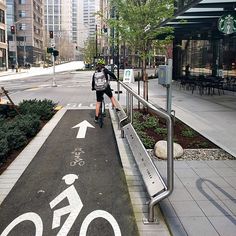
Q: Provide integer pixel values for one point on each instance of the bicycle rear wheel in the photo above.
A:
(100, 117)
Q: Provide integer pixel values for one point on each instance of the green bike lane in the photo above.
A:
(75, 185)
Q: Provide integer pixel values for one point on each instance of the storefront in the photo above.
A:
(205, 38)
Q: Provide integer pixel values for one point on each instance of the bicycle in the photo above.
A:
(101, 113)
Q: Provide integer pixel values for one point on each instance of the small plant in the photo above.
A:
(188, 133)
(138, 126)
(137, 115)
(199, 144)
(162, 131)
(150, 121)
(147, 141)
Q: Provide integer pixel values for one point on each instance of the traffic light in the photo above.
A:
(13, 30)
(55, 53)
(51, 34)
(49, 50)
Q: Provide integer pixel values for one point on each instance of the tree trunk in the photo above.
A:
(145, 80)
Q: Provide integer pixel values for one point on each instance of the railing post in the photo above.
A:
(127, 102)
(131, 108)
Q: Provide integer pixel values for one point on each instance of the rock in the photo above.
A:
(160, 150)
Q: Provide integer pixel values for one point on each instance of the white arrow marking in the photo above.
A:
(82, 128)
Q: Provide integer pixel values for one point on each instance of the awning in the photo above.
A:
(201, 17)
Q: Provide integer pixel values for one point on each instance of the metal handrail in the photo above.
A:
(170, 163)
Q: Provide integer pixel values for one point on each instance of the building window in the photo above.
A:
(22, 26)
(22, 13)
(2, 36)
(2, 16)
(22, 1)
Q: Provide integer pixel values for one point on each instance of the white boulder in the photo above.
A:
(160, 150)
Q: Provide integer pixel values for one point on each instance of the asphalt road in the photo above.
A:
(74, 184)
(72, 87)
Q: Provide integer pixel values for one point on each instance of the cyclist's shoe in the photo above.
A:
(96, 119)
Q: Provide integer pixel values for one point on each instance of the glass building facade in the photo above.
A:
(199, 42)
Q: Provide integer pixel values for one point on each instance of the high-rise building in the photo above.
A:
(61, 18)
(26, 42)
(3, 42)
(89, 24)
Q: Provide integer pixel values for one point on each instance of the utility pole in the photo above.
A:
(96, 41)
(24, 49)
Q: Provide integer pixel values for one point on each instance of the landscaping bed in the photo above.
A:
(18, 125)
(152, 129)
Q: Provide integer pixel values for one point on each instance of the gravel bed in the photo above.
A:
(200, 154)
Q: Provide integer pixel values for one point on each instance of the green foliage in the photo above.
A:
(42, 108)
(15, 130)
(188, 133)
(3, 146)
(138, 126)
(162, 131)
(150, 121)
(89, 50)
(135, 16)
(147, 141)
(199, 144)
(7, 111)
(137, 115)
(15, 138)
(141, 123)
(28, 124)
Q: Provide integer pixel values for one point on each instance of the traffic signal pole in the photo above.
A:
(54, 77)
(52, 51)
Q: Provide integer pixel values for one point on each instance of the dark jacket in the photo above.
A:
(106, 73)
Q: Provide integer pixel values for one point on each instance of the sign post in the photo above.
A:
(165, 79)
(128, 76)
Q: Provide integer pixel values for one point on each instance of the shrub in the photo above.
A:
(3, 146)
(43, 108)
(15, 138)
(28, 124)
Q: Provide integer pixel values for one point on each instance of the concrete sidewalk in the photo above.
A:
(204, 198)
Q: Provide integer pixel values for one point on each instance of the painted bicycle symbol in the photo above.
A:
(73, 209)
(77, 157)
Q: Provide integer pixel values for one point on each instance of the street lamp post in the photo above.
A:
(24, 59)
(16, 50)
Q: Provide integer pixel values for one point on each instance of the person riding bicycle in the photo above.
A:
(100, 83)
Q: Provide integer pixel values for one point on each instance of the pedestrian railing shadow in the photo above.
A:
(226, 213)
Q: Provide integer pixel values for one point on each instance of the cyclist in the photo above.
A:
(100, 83)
